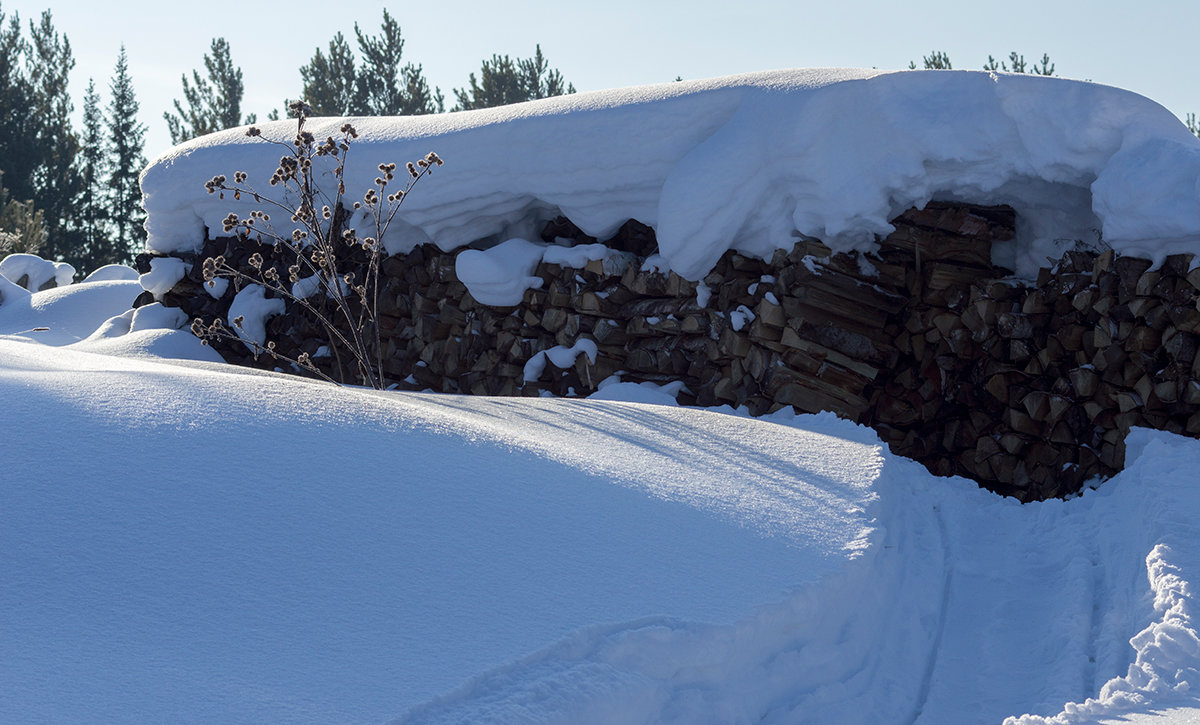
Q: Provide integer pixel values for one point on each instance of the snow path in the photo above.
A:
(968, 608)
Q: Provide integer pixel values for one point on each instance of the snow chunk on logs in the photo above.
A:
(252, 307)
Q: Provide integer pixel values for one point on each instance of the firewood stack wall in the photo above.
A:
(1027, 389)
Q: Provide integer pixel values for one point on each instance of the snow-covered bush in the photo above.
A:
(308, 265)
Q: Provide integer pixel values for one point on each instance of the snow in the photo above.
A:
(112, 273)
(165, 273)
(278, 550)
(184, 540)
(249, 312)
(499, 276)
(752, 162)
(740, 317)
(156, 316)
(425, 558)
(577, 257)
(38, 271)
(71, 313)
(560, 356)
(611, 388)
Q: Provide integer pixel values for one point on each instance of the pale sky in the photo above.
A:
(1150, 48)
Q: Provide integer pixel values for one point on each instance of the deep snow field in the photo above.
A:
(184, 541)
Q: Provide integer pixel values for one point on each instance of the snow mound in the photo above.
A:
(97, 316)
(113, 273)
(751, 161)
(71, 313)
(35, 271)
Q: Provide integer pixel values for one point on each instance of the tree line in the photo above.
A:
(73, 195)
(375, 81)
(940, 60)
(65, 194)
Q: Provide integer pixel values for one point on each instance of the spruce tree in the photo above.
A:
(214, 101)
(18, 153)
(57, 184)
(503, 81)
(97, 248)
(126, 140)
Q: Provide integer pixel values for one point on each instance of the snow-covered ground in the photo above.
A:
(183, 541)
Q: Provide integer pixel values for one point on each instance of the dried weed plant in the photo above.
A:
(316, 251)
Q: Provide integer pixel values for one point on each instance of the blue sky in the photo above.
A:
(1149, 48)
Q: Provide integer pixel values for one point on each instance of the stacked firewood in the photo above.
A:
(1031, 390)
(1027, 389)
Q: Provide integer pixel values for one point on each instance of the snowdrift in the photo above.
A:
(751, 162)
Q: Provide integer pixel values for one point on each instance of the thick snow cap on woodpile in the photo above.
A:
(751, 162)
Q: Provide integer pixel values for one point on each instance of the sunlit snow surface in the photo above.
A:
(184, 541)
(748, 162)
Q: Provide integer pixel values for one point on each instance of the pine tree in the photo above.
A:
(1019, 66)
(126, 140)
(499, 84)
(57, 184)
(334, 86)
(503, 81)
(382, 87)
(22, 228)
(329, 81)
(214, 101)
(97, 247)
(937, 60)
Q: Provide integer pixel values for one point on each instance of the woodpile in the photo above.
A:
(1027, 389)
(1032, 390)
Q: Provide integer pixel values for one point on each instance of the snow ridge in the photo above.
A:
(751, 161)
